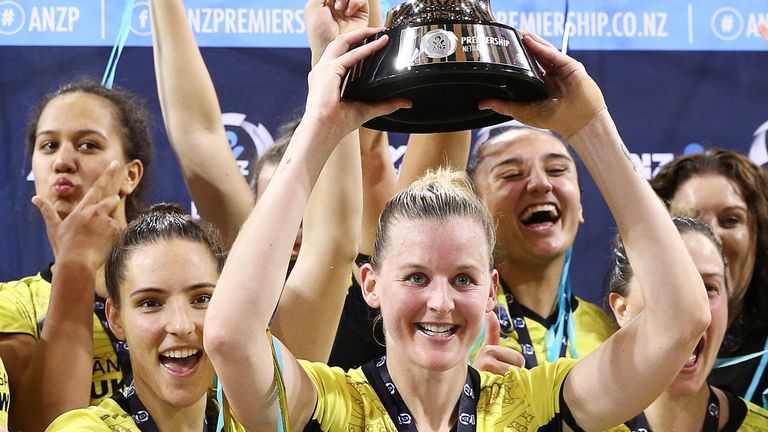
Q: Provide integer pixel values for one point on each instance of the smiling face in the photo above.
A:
(76, 138)
(434, 287)
(721, 205)
(164, 298)
(706, 257)
(529, 183)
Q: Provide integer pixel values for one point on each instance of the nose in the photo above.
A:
(179, 321)
(440, 297)
(66, 159)
(538, 181)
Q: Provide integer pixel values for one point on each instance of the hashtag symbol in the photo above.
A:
(7, 17)
(726, 24)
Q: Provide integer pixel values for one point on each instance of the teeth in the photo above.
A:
(529, 212)
(692, 359)
(434, 328)
(180, 353)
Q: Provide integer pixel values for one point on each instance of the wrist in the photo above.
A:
(318, 130)
(595, 130)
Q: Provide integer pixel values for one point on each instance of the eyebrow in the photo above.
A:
(79, 132)
(156, 290)
(413, 266)
(547, 157)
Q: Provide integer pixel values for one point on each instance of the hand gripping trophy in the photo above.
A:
(445, 55)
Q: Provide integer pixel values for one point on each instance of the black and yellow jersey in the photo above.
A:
(522, 400)
(25, 305)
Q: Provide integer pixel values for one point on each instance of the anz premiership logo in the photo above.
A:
(248, 142)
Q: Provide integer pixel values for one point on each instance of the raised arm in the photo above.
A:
(41, 392)
(627, 372)
(193, 122)
(318, 282)
(237, 317)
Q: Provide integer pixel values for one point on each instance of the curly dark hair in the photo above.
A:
(128, 113)
(752, 182)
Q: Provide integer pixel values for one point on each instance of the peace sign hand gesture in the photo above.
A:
(87, 232)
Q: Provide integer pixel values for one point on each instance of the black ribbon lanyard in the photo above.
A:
(516, 322)
(120, 347)
(711, 421)
(378, 376)
(130, 403)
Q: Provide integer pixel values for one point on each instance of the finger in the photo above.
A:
(487, 361)
(361, 52)
(107, 184)
(537, 38)
(340, 47)
(553, 60)
(508, 356)
(523, 112)
(108, 206)
(353, 6)
(492, 329)
(763, 29)
(49, 214)
(377, 109)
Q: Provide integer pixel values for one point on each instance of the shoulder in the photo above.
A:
(35, 283)
(756, 418)
(526, 397)
(25, 302)
(327, 377)
(545, 373)
(590, 314)
(345, 399)
(107, 416)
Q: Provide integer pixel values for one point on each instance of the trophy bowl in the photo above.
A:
(445, 56)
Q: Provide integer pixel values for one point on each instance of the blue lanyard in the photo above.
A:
(564, 323)
(729, 361)
(117, 50)
(282, 417)
(561, 336)
(566, 30)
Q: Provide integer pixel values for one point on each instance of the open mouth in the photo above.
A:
(181, 362)
(539, 214)
(437, 330)
(693, 359)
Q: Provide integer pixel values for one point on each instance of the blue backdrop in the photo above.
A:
(676, 75)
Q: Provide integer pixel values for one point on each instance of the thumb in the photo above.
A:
(492, 330)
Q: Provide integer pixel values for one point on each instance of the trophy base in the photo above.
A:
(446, 69)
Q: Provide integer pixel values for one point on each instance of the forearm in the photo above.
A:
(379, 183)
(658, 255)
(652, 348)
(193, 122)
(430, 151)
(318, 282)
(59, 374)
(253, 277)
(252, 280)
(188, 98)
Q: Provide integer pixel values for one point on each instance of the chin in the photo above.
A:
(686, 385)
(438, 361)
(185, 396)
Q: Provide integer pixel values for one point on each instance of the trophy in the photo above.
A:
(446, 56)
